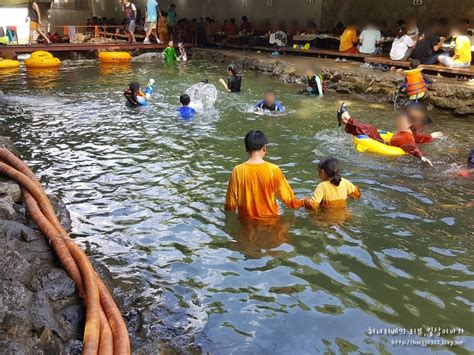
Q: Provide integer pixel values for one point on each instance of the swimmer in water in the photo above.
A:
(469, 169)
(269, 103)
(403, 138)
(135, 97)
(334, 190)
(234, 81)
(186, 112)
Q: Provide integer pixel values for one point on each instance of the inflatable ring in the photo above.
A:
(365, 144)
(9, 64)
(114, 57)
(39, 63)
(41, 55)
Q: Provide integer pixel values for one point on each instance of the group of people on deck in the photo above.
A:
(429, 47)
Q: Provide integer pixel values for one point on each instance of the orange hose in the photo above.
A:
(121, 342)
(60, 247)
(43, 212)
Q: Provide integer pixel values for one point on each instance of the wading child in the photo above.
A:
(186, 112)
(269, 103)
(134, 95)
(403, 138)
(170, 53)
(255, 185)
(234, 81)
(416, 83)
(314, 84)
(334, 190)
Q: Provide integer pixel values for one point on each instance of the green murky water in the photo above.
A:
(146, 194)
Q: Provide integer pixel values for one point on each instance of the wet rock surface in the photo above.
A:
(40, 311)
(369, 85)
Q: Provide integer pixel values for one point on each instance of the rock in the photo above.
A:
(6, 207)
(336, 77)
(5, 142)
(343, 89)
(11, 188)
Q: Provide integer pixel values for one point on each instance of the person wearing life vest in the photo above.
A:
(130, 13)
(315, 84)
(135, 97)
(416, 83)
(269, 103)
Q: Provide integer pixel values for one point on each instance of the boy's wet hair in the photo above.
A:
(255, 141)
(184, 99)
(330, 166)
(269, 92)
(414, 63)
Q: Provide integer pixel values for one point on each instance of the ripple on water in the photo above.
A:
(145, 191)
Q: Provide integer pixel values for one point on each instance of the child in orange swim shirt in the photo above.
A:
(334, 190)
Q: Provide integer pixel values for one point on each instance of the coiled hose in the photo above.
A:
(105, 331)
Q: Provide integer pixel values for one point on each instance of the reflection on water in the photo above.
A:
(146, 194)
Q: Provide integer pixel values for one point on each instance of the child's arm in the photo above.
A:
(427, 79)
(285, 193)
(353, 191)
(312, 203)
(224, 84)
(231, 199)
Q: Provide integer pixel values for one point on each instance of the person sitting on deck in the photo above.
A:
(232, 28)
(234, 81)
(402, 45)
(186, 112)
(349, 40)
(255, 184)
(403, 138)
(370, 39)
(170, 53)
(246, 27)
(334, 190)
(416, 83)
(462, 50)
(269, 103)
(428, 44)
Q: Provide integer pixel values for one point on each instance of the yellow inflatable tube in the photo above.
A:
(9, 64)
(365, 144)
(41, 59)
(114, 57)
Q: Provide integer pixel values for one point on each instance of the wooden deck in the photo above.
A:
(428, 68)
(77, 47)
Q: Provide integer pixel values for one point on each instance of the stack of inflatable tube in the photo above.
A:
(114, 57)
(9, 64)
(365, 144)
(105, 331)
(42, 60)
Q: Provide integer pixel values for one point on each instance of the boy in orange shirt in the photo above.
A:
(255, 184)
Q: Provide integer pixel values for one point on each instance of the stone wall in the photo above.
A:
(367, 84)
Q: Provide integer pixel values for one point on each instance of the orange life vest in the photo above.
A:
(415, 83)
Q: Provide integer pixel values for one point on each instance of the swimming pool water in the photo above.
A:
(146, 194)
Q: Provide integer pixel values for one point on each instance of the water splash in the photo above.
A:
(203, 96)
